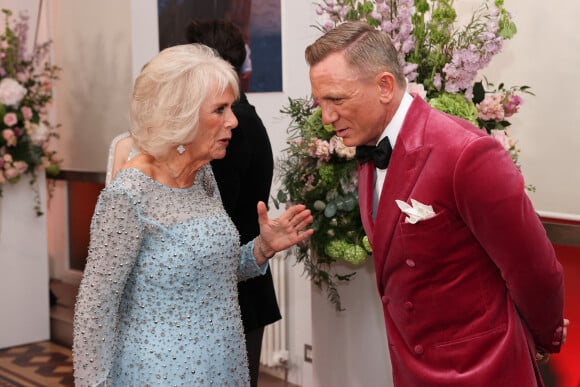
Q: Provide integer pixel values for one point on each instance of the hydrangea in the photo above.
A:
(348, 252)
(11, 92)
(457, 105)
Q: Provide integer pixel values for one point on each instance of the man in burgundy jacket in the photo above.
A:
(471, 289)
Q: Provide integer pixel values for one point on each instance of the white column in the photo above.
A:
(24, 280)
(350, 347)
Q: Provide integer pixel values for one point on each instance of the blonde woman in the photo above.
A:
(157, 304)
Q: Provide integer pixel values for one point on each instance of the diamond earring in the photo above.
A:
(180, 149)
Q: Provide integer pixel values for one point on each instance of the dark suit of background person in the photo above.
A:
(244, 177)
(472, 293)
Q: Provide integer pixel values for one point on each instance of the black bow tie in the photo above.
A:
(380, 154)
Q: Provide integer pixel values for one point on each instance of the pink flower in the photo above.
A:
(9, 137)
(417, 88)
(320, 149)
(512, 104)
(337, 145)
(22, 77)
(10, 119)
(26, 112)
(2, 178)
(20, 166)
(491, 108)
(503, 138)
(11, 173)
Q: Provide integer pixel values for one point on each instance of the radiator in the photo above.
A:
(274, 348)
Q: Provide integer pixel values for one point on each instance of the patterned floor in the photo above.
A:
(47, 364)
(40, 364)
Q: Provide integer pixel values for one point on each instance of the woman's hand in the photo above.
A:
(281, 233)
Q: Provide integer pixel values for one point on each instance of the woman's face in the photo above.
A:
(216, 121)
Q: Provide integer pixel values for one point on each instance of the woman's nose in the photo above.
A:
(232, 121)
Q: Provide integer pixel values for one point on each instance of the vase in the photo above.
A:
(24, 276)
(350, 346)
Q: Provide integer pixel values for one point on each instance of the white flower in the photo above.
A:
(417, 88)
(38, 133)
(346, 152)
(11, 92)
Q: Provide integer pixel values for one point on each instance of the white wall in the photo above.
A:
(92, 43)
(544, 55)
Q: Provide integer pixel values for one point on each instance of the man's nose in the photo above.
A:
(329, 115)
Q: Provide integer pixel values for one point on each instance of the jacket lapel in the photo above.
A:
(408, 160)
(366, 193)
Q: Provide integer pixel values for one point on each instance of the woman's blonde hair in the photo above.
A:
(169, 92)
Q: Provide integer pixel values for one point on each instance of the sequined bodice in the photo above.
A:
(157, 304)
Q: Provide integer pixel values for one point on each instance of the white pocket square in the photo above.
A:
(415, 212)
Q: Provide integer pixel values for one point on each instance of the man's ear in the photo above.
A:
(386, 85)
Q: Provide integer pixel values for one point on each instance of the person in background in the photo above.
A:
(471, 288)
(244, 177)
(157, 303)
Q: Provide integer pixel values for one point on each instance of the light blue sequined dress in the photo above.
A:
(158, 304)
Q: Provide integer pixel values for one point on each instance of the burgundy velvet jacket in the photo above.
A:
(470, 294)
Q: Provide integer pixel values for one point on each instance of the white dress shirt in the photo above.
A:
(392, 131)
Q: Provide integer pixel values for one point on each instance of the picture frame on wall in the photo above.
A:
(259, 21)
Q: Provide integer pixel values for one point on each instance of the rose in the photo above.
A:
(11, 92)
(512, 104)
(26, 112)
(10, 119)
(9, 136)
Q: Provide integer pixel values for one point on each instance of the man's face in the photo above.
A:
(349, 101)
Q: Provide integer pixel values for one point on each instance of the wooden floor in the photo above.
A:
(48, 364)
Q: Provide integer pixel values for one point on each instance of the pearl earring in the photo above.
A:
(180, 149)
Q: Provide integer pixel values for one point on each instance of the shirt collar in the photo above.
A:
(394, 127)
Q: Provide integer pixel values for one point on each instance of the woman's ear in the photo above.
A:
(386, 85)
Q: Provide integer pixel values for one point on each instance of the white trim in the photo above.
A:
(559, 215)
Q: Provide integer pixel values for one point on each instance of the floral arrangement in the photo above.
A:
(25, 93)
(441, 61)
(320, 172)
